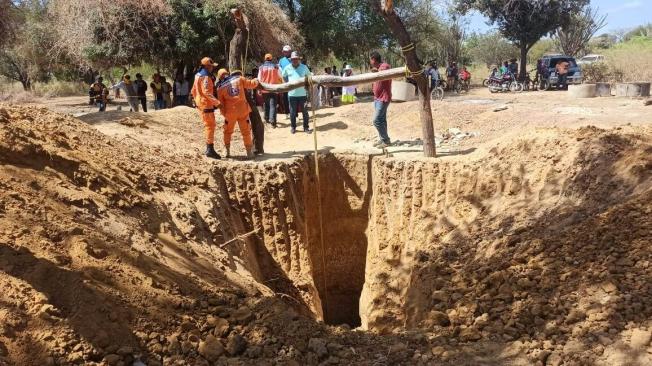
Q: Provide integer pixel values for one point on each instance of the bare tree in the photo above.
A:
(575, 37)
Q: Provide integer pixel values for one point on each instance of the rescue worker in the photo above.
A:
(270, 73)
(204, 94)
(99, 93)
(235, 108)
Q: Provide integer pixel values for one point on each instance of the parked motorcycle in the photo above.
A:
(504, 84)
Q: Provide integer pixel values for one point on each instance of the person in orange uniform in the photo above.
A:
(235, 108)
(204, 94)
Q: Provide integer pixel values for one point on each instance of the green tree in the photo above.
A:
(170, 34)
(25, 56)
(525, 22)
(490, 48)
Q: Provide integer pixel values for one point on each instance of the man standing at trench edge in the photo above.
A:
(382, 97)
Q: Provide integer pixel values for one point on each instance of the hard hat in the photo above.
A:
(295, 56)
(287, 48)
(221, 73)
(268, 57)
(207, 61)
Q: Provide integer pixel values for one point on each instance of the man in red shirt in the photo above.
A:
(382, 98)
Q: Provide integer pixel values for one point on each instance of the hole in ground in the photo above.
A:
(345, 195)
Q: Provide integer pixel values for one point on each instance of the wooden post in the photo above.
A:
(237, 52)
(425, 113)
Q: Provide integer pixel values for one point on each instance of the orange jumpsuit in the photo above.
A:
(235, 108)
(203, 92)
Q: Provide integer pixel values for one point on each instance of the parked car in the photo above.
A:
(548, 72)
(590, 59)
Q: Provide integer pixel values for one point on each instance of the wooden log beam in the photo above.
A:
(337, 81)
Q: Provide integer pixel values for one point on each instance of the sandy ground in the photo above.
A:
(349, 127)
(525, 243)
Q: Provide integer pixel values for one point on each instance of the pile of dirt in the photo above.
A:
(112, 253)
(533, 250)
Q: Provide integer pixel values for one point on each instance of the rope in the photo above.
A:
(408, 72)
(311, 84)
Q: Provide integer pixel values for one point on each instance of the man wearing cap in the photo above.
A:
(99, 93)
(297, 97)
(203, 93)
(235, 108)
(269, 73)
(348, 92)
(283, 62)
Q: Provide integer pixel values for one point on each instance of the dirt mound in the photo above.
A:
(112, 250)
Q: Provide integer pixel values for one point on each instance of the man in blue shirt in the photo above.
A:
(297, 97)
(283, 62)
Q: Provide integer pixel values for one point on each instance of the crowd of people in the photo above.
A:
(216, 89)
(508, 71)
(225, 92)
(454, 75)
(165, 95)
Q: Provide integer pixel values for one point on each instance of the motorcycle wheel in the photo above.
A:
(485, 82)
(437, 94)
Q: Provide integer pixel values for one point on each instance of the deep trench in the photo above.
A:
(282, 199)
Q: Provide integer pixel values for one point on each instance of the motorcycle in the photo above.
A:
(503, 84)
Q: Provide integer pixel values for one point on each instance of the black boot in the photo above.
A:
(211, 153)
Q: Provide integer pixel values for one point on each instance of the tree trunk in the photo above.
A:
(524, 49)
(237, 61)
(27, 85)
(425, 113)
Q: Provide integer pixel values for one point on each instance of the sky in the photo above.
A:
(620, 14)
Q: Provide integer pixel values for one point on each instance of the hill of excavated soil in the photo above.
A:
(535, 249)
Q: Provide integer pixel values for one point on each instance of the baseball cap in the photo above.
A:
(268, 57)
(207, 61)
(295, 55)
(287, 48)
(222, 72)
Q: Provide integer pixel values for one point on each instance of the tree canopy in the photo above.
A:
(525, 22)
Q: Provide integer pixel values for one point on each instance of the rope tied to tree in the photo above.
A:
(309, 84)
(408, 72)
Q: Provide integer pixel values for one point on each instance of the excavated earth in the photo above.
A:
(534, 250)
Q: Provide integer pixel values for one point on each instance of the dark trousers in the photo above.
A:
(101, 105)
(297, 103)
(561, 81)
(270, 107)
(181, 100)
(143, 103)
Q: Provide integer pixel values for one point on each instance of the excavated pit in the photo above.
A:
(480, 245)
(281, 201)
